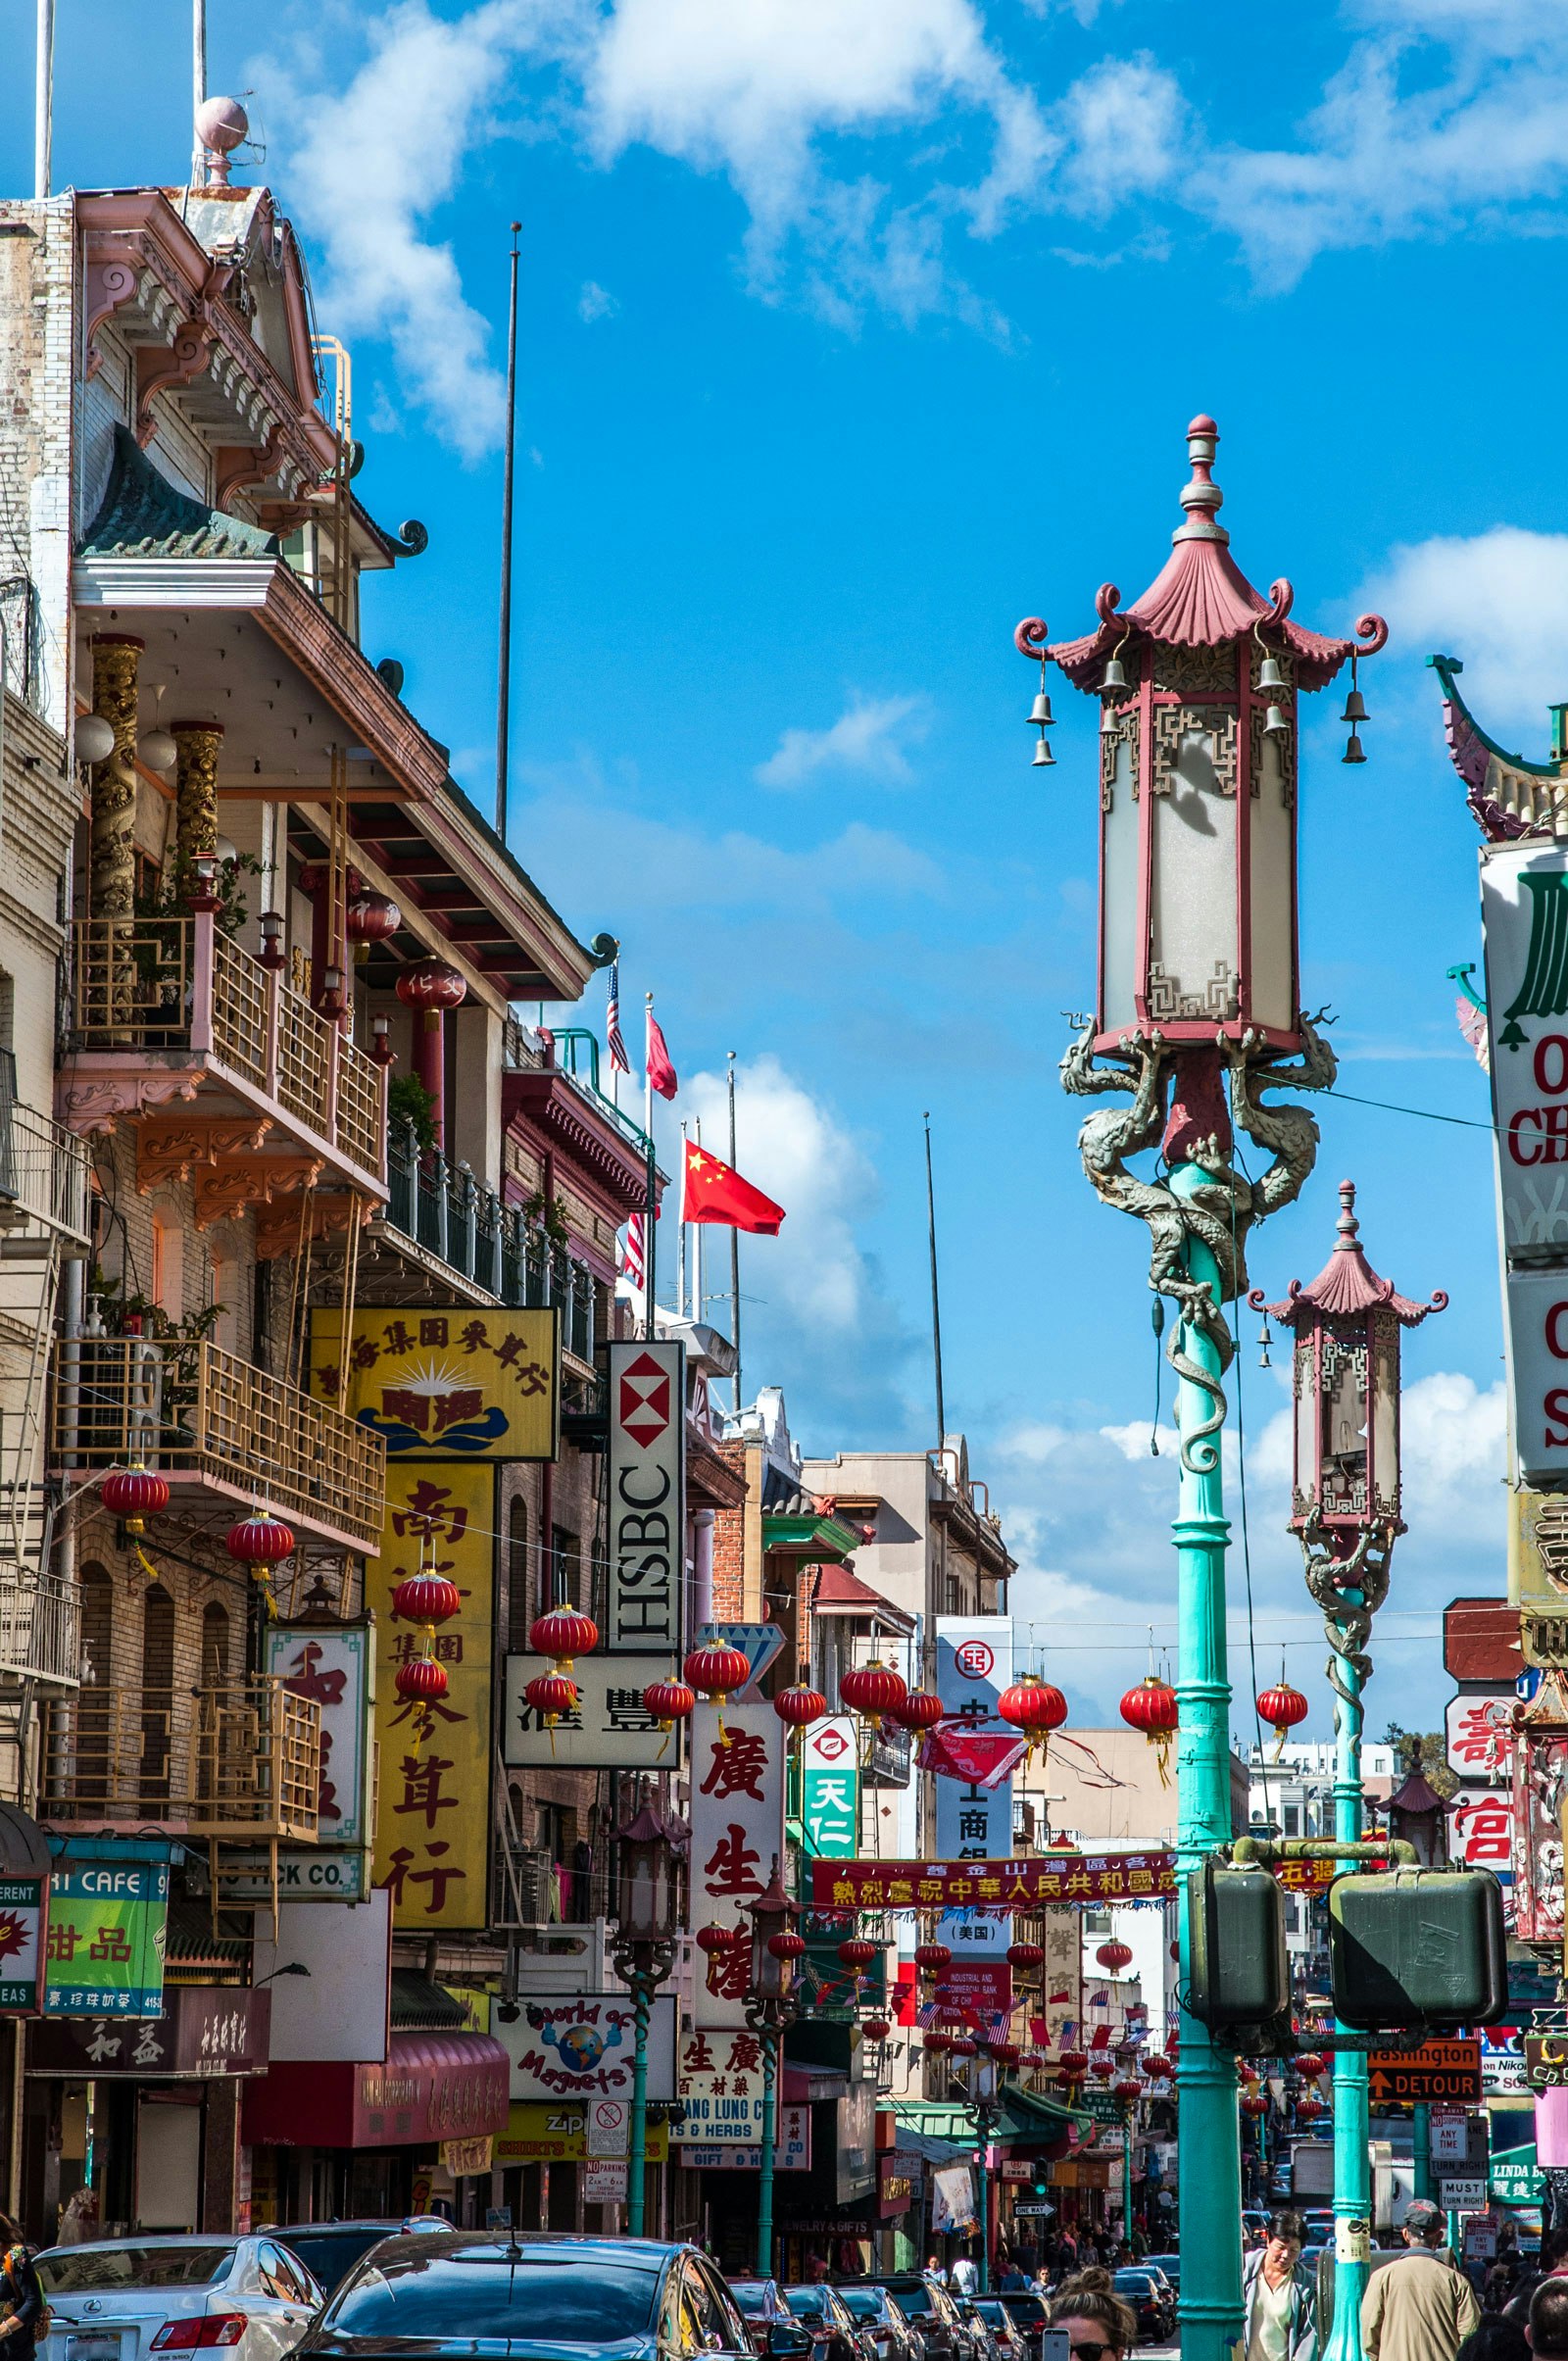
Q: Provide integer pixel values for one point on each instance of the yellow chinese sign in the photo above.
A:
(452, 1383)
(432, 1837)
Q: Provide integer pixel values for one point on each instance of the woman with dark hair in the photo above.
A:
(21, 2295)
(1100, 2326)
(1279, 2303)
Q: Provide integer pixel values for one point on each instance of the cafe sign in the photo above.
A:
(105, 1946)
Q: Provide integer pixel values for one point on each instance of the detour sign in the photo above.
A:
(1438, 2070)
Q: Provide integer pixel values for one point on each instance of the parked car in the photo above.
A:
(1319, 2226)
(1005, 2341)
(892, 2337)
(760, 2302)
(1170, 2264)
(129, 2299)
(429, 2297)
(329, 2250)
(932, 2310)
(835, 2332)
(1152, 2301)
(1029, 2313)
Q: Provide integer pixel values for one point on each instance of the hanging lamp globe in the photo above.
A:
(421, 1678)
(563, 1634)
(1114, 1955)
(134, 1493)
(873, 1691)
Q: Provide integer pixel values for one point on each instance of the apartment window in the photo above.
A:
(225, 1272)
(215, 1643)
(166, 1278)
(1097, 1922)
(1293, 1819)
(954, 1601)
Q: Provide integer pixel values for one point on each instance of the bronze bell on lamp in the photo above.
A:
(1275, 724)
(1354, 706)
(1042, 758)
(1115, 678)
(1040, 713)
(1354, 752)
(1270, 679)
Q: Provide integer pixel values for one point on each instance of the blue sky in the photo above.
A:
(852, 330)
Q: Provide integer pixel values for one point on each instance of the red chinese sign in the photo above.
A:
(1122, 1877)
(737, 1836)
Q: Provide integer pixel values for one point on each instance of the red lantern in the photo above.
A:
(1127, 2088)
(858, 1954)
(422, 1678)
(1310, 2065)
(713, 1939)
(1282, 1708)
(372, 919)
(1310, 2109)
(876, 2028)
(962, 2046)
(937, 2043)
(1114, 1955)
(718, 1671)
(1024, 1955)
(431, 985)
(1033, 1707)
(1074, 2064)
(669, 1702)
(1154, 1708)
(260, 1543)
(134, 1493)
(1101, 2065)
(799, 1705)
(787, 1945)
(1032, 2061)
(563, 1634)
(921, 1709)
(1254, 2104)
(1006, 2053)
(1156, 2066)
(931, 1958)
(426, 1599)
(550, 1695)
(873, 1691)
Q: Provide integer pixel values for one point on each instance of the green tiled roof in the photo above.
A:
(142, 514)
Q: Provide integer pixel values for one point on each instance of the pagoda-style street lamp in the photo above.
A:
(770, 2010)
(1200, 684)
(644, 1951)
(977, 2078)
(1345, 1508)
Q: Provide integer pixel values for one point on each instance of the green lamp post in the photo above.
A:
(770, 2011)
(643, 1948)
(1198, 1014)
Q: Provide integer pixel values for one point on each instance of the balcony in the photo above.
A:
(888, 1762)
(213, 1424)
(170, 1008)
(40, 1621)
(239, 1760)
(43, 1176)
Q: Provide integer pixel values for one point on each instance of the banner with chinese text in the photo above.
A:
(737, 1813)
(432, 1838)
(107, 1923)
(612, 1728)
(830, 1789)
(453, 1381)
(1123, 1877)
(335, 1664)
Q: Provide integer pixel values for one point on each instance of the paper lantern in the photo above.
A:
(1282, 1708)
(1309, 2065)
(1035, 1707)
(1074, 2064)
(787, 1945)
(1127, 2088)
(961, 2047)
(372, 919)
(431, 985)
(669, 1702)
(1024, 1955)
(426, 1599)
(713, 1939)
(718, 1671)
(921, 1709)
(876, 2028)
(800, 1704)
(937, 2043)
(932, 1958)
(1114, 1955)
(1101, 2065)
(873, 1691)
(1254, 2104)
(259, 1542)
(564, 1634)
(858, 1954)
(422, 1678)
(134, 1493)
(1154, 1708)
(550, 1695)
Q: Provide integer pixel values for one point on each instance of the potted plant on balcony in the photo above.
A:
(410, 1110)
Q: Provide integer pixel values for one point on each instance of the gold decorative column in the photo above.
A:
(111, 971)
(196, 815)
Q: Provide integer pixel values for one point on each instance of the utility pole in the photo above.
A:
(504, 686)
(43, 111)
(936, 1301)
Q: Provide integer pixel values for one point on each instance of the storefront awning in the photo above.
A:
(447, 2085)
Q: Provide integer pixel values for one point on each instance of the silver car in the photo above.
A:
(142, 2298)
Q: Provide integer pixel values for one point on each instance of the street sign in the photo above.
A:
(1516, 2176)
(1462, 2196)
(1451, 2135)
(1438, 2070)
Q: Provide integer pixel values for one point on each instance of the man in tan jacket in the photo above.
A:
(1420, 2307)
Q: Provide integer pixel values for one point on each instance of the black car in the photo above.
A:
(1030, 2314)
(932, 2310)
(879, 2320)
(1149, 2295)
(835, 2332)
(1169, 2266)
(464, 2292)
(329, 2250)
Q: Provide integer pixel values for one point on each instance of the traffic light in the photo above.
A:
(1409, 1947)
(1240, 1981)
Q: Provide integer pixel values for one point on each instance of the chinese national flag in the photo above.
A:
(716, 1192)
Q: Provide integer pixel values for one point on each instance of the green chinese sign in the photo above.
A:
(105, 1951)
(1515, 2176)
(830, 1789)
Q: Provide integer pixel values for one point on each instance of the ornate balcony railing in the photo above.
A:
(574, 1054)
(164, 984)
(238, 1760)
(196, 1413)
(447, 1211)
(43, 1167)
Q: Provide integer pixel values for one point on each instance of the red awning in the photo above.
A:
(433, 2086)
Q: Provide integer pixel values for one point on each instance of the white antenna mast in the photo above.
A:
(43, 123)
(198, 163)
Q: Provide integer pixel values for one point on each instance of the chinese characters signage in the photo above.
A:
(647, 1498)
(106, 1940)
(1480, 1735)
(582, 2046)
(454, 1383)
(210, 2030)
(333, 1663)
(830, 1789)
(1538, 1546)
(1540, 1792)
(1524, 913)
(721, 2091)
(24, 1927)
(737, 1815)
(1480, 1831)
(432, 1837)
(611, 1726)
(1123, 1877)
(974, 1820)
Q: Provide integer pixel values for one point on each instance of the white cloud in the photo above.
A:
(1123, 124)
(869, 737)
(595, 303)
(1498, 601)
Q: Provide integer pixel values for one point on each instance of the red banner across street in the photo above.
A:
(1120, 1877)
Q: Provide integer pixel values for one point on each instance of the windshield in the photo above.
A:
(990, 2308)
(544, 2300)
(1025, 2306)
(914, 2301)
(808, 2304)
(79, 2270)
(1133, 2283)
(864, 2302)
(751, 2295)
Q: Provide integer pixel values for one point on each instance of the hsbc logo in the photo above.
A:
(975, 1658)
(647, 1497)
(644, 1400)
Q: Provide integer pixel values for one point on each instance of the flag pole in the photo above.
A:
(734, 1250)
(44, 101)
(649, 1247)
(504, 686)
(697, 1235)
(680, 1229)
(936, 1301)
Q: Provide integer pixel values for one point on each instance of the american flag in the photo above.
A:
(631, 1254)
(619, 1062)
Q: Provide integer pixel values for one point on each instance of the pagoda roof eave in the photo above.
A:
(1204, 600)
(1487, 769)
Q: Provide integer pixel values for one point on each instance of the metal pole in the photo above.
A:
(771, 2036)
(198, 76)
(985, 2207)
(734, 1252)
(1127, 2177)
(651, 1210)
(936, 1302)
(504, 686)
(638, 2141)
(43, 118)
(1352, 2192)
(1211, 2180)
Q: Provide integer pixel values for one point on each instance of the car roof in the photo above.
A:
(174, 2238)
(645, 2253)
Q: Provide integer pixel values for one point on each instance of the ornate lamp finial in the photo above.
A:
(1347, 1225)
(1203, 495)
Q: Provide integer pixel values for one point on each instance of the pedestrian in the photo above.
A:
(1279, 2302)
(1100, 2326)
(1552, 2259)
(966, 2275)
(1014, 2278)
(21, 2295)
(1548, 2326)
(1418, 2307)
(935, 2272)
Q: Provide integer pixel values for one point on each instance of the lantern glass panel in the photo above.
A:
(1344, 1428)
(1385, 1418)
(1119, 869)
(1307, 1470)
(1271, 937)
(1193, 963)
(644, 1890)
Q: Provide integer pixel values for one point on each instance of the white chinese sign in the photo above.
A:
(1537, 1366)
(583, 2045)
(974, 1821)
(737, 1816)
(647, 1498)
(792, 2151)
(1480, 1737)
(334, 1664)
(720, 2087)
(1480, 1831)
(612, 1728)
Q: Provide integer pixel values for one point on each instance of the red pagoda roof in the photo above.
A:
(1202, 599)
(1348, 1286)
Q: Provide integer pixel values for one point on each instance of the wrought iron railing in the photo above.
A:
(450, 1214)
(185, 1407)
(177, 983)
(43, 1167)
(231, 1758)
(574, 1055)
(40, 1626)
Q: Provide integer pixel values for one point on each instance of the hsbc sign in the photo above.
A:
(647, 1497)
